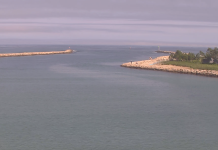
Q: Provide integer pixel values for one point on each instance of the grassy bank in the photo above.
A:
(194, 65)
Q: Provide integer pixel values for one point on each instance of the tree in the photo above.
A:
(178, 55)
(198, 56)
(191, 56)
(201, 54)
(212, 54)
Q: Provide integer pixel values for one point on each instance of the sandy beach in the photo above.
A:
(155, 64)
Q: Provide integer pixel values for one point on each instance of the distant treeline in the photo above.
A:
(211, 56)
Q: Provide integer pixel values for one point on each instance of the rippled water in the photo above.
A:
(85, 100)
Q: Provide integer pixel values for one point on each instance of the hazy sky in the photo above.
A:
(109, 21)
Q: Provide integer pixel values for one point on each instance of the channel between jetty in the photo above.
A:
(35, 53)
(155, 64)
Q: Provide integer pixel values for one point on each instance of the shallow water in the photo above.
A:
(85, 100)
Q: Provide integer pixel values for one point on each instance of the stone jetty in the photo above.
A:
(169, 52)
(35, 53)
(155, 64)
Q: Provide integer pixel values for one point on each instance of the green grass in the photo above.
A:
(194, 65)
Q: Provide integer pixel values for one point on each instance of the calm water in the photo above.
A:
(86, 101)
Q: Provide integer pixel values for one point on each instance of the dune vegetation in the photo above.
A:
(201, 60)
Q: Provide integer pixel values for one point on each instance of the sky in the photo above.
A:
(117, 22)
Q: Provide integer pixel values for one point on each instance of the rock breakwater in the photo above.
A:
(169, 52)
(155, 64)
(35, 53)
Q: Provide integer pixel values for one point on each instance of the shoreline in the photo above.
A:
(154, 64)
(35, 53)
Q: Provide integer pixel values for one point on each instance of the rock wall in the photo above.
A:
(35, 53)
(169, 52)
(154, 64)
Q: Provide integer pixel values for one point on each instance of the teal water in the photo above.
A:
(86, 101)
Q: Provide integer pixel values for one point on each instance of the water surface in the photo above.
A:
(85, 100)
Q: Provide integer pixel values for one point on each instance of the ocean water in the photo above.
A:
(86, 101)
